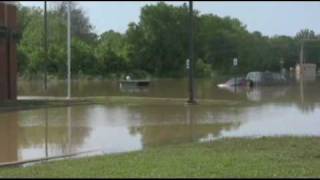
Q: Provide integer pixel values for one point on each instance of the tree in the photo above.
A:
(157, 45)
(111, 54)
(311, 49)
(83, 60)
(162, 38)
(305, 34)
(285, 48)
(80, 24)
(31, 51)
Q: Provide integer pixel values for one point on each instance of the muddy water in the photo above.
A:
(292, 110)
(157, 88)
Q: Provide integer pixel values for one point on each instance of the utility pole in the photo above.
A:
(281, 64)
(45, 46)
(69, 118)
(301, 57)
(46, 132)
(69, 52)
(191, 60)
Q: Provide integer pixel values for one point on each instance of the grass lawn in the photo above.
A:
(60, 102)
(262, 157)
(35, 104)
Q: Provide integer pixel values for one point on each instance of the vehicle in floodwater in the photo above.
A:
(238, 81)
(256, 79)
(265, 78)
(140, 83)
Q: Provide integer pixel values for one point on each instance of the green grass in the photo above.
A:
(43, 103)
(34, 104)
(263, 157)
(161, 101)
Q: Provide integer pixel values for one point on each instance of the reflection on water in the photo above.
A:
(8, 137)
(273, 111)
(277, 121)
(263, 93)
(133, 88)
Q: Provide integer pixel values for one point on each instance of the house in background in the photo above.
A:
(306, 71)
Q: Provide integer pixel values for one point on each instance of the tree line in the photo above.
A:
(156, 46)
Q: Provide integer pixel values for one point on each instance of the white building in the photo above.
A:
(307, 71)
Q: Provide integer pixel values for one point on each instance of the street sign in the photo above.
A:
(235, 62)
(187, 63)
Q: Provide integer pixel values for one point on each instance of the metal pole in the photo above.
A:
(46, 132)
(69, 52)
(191, 80)
(281, 64)
(301, 91)
(69, 118)
(235, 79)
(301, 59)
(45, 45)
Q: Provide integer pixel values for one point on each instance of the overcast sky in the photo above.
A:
(270, 18)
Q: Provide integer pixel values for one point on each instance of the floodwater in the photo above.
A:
(291, 110)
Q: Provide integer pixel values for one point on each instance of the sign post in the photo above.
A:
(235, 64)
(188, 64)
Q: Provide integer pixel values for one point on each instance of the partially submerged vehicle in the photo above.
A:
(265, 78)
(256, 79)
(128, 82)
(139, 83)
(238, 81)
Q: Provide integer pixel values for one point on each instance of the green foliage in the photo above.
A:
(111, 54)
(203, 69)
(83, 60)
(158, 45)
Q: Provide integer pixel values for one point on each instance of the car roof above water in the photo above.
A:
(254, 75)
(265, 76)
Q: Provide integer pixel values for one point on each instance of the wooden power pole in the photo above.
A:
(45, 46)
(191, 99)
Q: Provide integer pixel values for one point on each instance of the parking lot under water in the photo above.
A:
(291, 110)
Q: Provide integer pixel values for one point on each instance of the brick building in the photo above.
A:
(8, 55)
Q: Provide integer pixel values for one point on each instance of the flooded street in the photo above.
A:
(291, 110)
